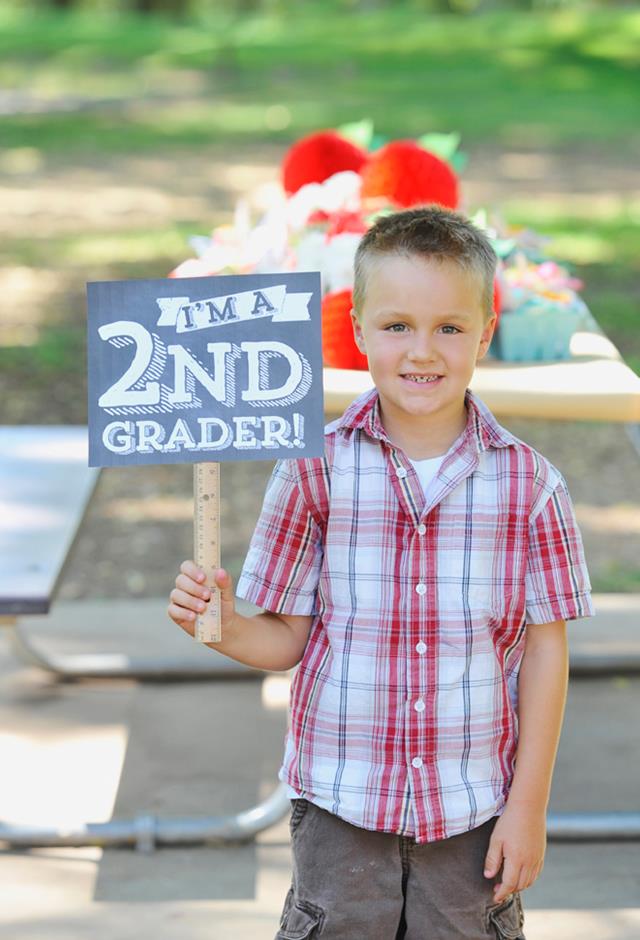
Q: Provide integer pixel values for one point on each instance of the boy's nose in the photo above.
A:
(421, 349)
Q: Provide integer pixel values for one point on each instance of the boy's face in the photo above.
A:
(423, 330)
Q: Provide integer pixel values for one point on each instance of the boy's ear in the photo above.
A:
(486, 337)
(357, 332)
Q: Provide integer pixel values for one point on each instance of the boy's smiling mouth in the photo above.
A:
(420, 379)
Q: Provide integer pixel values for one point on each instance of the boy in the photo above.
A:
(420, 574)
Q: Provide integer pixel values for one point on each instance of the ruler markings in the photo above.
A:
(206, 491)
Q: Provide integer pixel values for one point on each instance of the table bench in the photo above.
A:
(45, 488)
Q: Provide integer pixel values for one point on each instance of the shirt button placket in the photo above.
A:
(419, 705)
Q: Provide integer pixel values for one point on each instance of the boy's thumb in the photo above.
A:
(224, 582)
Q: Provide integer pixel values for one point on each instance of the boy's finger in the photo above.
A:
(186, 601)
(192, 570)
(189, 586)
(493, 860)
(183, 618)
(509, 883)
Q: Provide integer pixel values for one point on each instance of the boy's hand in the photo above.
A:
(519, 840)
(191, 595)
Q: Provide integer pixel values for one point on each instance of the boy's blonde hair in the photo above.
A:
(431, 233)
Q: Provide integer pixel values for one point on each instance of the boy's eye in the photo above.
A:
(395, 327)
(449, 326)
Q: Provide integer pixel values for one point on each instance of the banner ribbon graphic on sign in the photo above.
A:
(186, 316)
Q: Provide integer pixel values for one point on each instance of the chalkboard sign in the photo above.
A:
(205, 369)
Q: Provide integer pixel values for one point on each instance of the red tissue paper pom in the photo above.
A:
(497, 299)
(409, 175)
(341, 222)
(339, 350)
(315, 158)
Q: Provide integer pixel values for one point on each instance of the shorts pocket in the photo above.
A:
(507, 919)
(299, 808)
(301, 920)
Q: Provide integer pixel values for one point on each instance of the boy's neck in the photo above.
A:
(429, 437)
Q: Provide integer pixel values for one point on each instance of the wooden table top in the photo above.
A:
(594, 385)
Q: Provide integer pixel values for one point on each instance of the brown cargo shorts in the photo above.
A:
(354, 884)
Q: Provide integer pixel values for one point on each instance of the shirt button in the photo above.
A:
(421, 529)
(421, 647)
(421, 588)
(419, 705)
(401, 473)
(416, 762)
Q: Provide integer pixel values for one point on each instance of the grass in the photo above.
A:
(552, 80)
(617, 578)
(548, 79)
(108, 88)
(101, 254)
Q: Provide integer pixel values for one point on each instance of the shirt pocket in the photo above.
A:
(471, 596)
(469, 614)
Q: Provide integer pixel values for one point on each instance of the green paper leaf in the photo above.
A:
(459, 161)
(443, 145)
(503, 246)
(379, 213)
(480, 218)
(377, 141)
(359, 132)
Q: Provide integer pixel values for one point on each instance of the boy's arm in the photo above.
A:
(265, 641)
(519, 836)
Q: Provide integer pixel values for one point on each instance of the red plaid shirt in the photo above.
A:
(404, 711)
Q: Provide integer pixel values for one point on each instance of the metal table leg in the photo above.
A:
(146, 832)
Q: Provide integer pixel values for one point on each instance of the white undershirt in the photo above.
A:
(427, 470)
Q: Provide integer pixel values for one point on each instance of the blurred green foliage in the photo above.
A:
(102, 80)
(617, 578)
(93, 82)
(545, 79)
(110, 82)
(186, 8)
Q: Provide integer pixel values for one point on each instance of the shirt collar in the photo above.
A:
(482, 427)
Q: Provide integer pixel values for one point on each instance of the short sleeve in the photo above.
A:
(557, 580)
(282, 567)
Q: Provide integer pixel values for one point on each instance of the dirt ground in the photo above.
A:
(138, 527)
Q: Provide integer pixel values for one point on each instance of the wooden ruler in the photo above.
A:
(206, 492)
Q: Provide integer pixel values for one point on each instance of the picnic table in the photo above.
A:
(45, 488)
(46, 485)
(594, 385)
